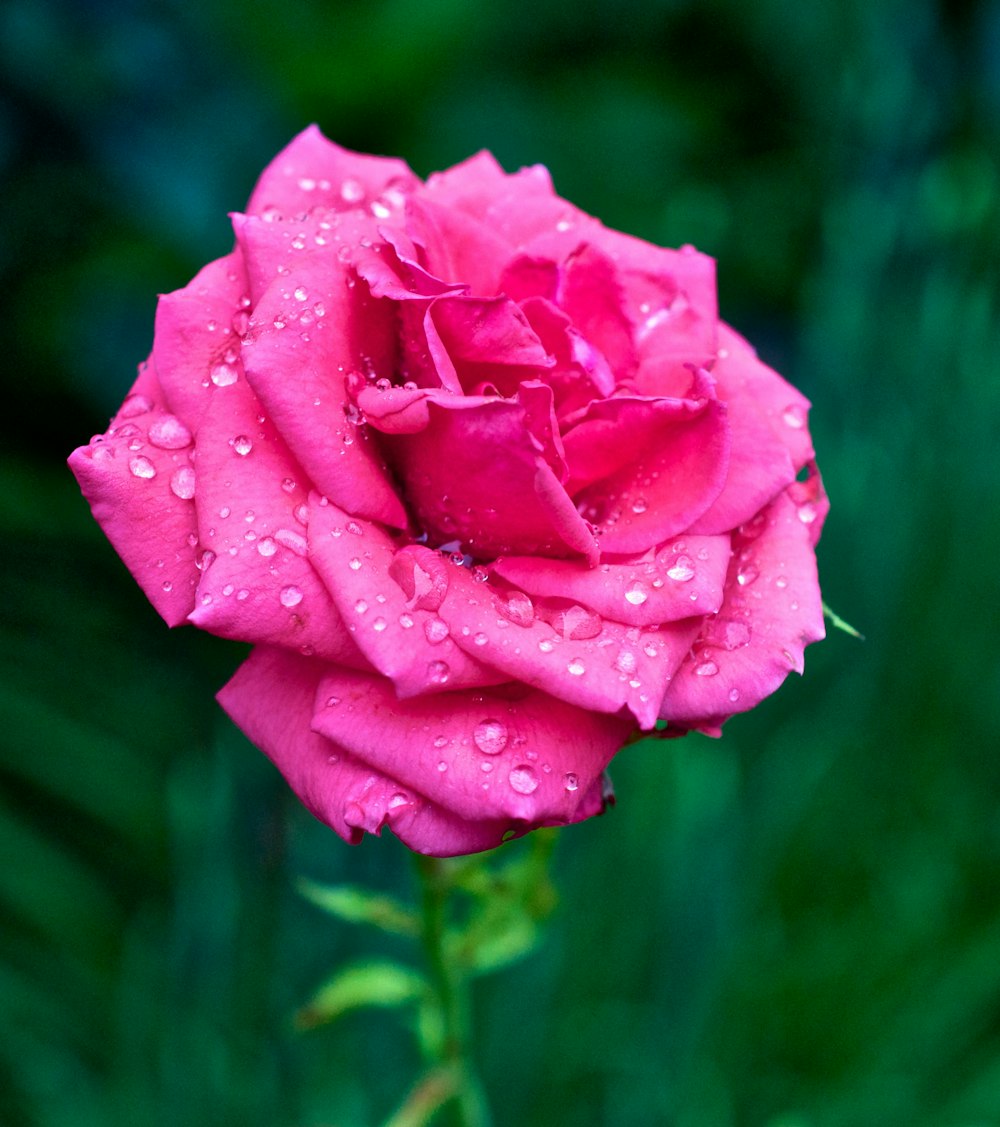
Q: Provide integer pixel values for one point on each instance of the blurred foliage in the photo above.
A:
(796, 926)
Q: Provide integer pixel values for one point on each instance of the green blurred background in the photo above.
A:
(795, 926)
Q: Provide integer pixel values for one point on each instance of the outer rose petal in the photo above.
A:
(139, 482)
(304, 337)
(771, 612)
(272, 698)
(313, 171)
(770, 439)
(577, 656)
(402, 640)
(682, 579)
(482, 754)
(199, 328)
(253, 512)
(643, 470)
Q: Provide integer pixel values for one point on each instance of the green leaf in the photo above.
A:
(373, 982)
(358, 906)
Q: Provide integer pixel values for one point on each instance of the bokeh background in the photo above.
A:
(795, 926)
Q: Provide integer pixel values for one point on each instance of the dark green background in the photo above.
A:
(796, 926)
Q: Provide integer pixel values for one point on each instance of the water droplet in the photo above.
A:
(397, 800)
(352, 191)
(727, 633)
(734, 695)
(516, 607)
(288, 484)
(438, 672)
(142, 467)
(405, 621)
(225, 511)
(571, 782)
(578, 622)
(650, 650)
(354, 564)
(290, 596)
(706, 669)
(301, 294)
(807, 512)
(523, 779)
(746, 575)
(636, 595)
(794, 416)
(440, 741)
(134, 405)
(626, 661)
(639, 505)
(490, 736)
(682, 570)
(781, 582)
(360, 606)
(182, 483)
(576, 667)
(241, 322)
(480, 639)
(169, 433)
(242, 445)
(442, 766)
(436, 630)
(167, 586)
(267, 546)
(546, 645)
(222, 375)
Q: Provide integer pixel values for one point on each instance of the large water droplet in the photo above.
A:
(290, 596)
(438, 672)
(142, 467)
(490, 736)
(169, 433)
(636, 595)
(626, 661)
(706, 669)
(746, 575)
(242, 445)
(182, 483)
(352, 191)
(436, 630)
(516, 607)
(571, 782)
(682, 570)
(576, 667)
(794, 416)
(523, 779)
(222, 374)
(807, 512)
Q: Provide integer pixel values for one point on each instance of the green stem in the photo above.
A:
(451, 985)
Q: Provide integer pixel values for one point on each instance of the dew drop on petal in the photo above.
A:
(636, 595)
(706, 669)
(490, 736)
(682, 570)
(794, 416)
(267, 546)
(397, 800)
(406, 621)
(807, 512)
(222, 375)
(436, 630)
(571, 782)
(546, 645)
(438, 672)
(746, 575)
(734, 695)
(523, 779)
(379, 625)
(169, 433)
(142, 467)
(626, 661)
(480, 639)
(242, 445)
(576, 667)
(290, 596)
(354, 564)
(182, 483)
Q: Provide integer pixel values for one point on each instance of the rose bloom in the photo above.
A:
(489, 487)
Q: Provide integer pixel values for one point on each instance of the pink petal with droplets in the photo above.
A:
(643, 470)
(522, 757)
(566, 650)
(272, 697)
(771, 612)
(398, 631)
(298, 369)
(312, 171)
(680, 580)
(133, 491)
(770, 437)
(198, 336)
(252, 516)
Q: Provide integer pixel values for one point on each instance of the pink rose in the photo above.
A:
(488, 485)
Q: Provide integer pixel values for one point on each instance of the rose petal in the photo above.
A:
(771, 612)
(272, 697)
(131, 483)
(305, 336)
(312, 171)
(198, 336)
(456, 246)
(770, 437)
(403, 640)
(527, 758)
(253, 513)
(567, 651)
(591, 294)
(680, 580)
(643, 469)
(486, 472)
